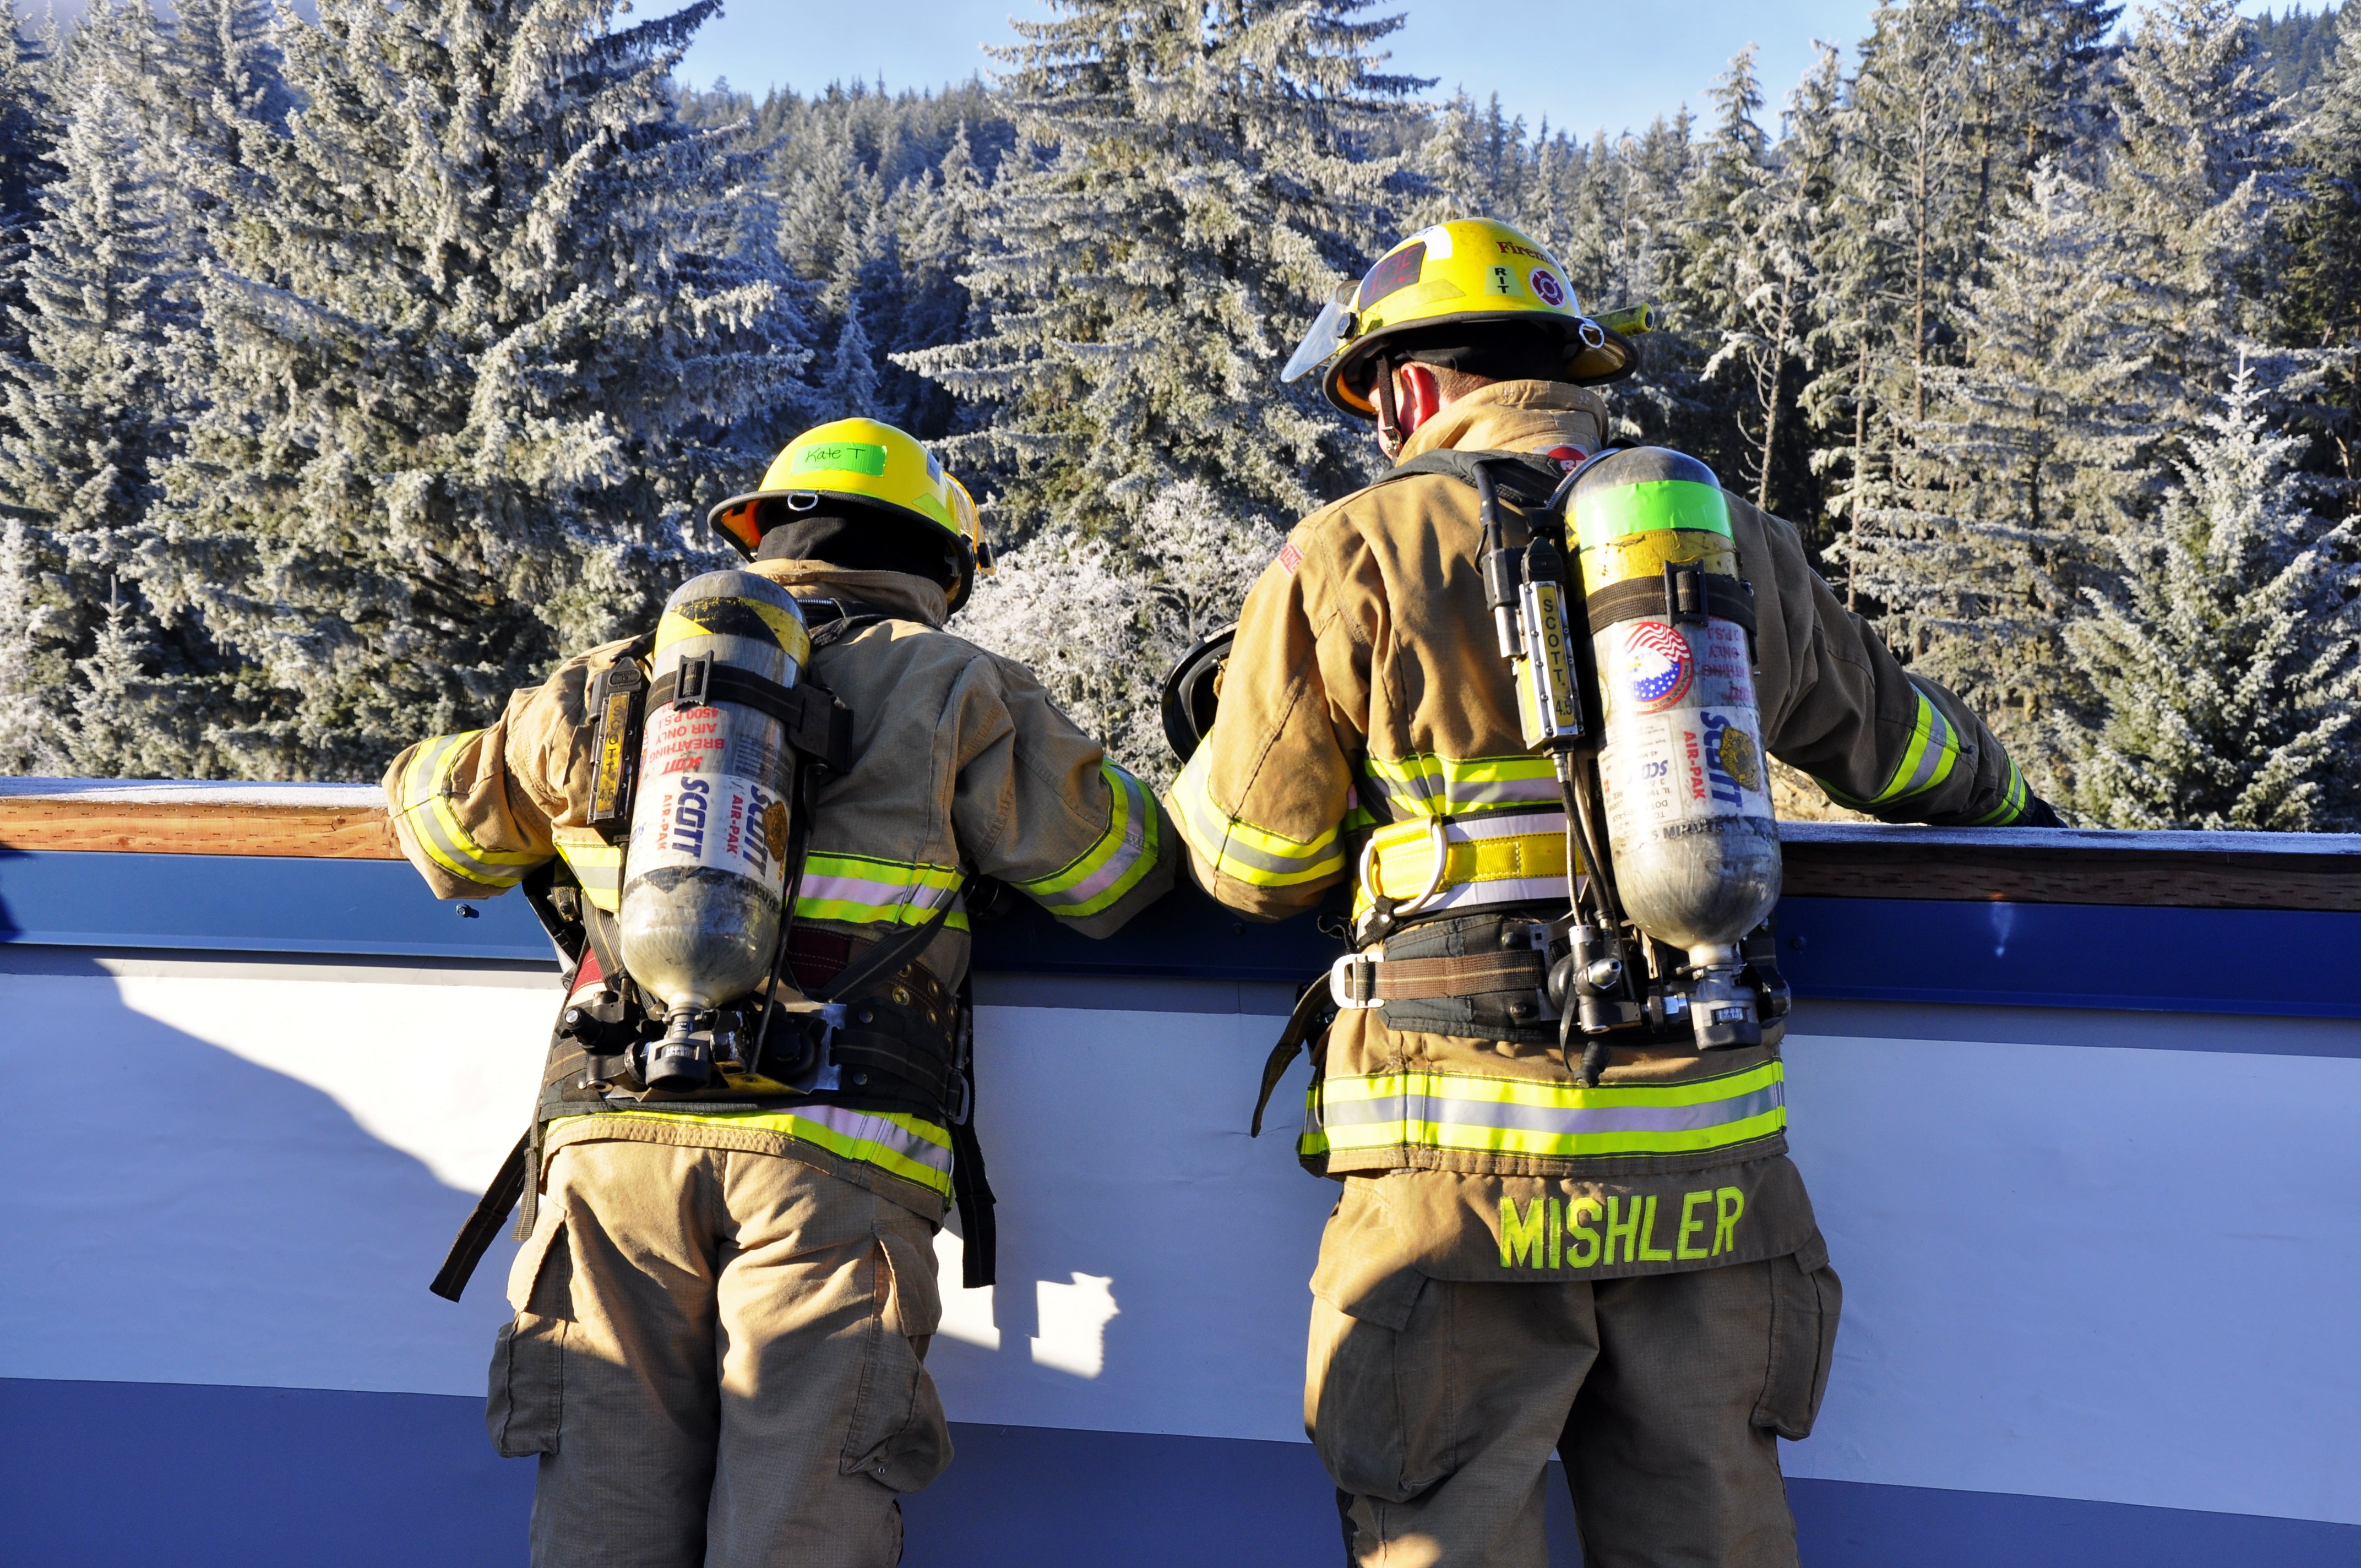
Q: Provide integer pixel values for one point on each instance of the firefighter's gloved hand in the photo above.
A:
(2038, 813)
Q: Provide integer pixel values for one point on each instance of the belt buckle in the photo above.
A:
(1340, 982)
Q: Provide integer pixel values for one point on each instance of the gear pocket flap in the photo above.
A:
(914, 1305)
(528, 1374)
(1807, 1299)
(899, 1435)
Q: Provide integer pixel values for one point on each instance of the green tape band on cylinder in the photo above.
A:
(1608, 514)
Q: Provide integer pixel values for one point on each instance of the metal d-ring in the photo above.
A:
(1438, 837)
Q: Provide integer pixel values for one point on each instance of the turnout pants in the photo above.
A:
(718, 1358)
(1437, 1409)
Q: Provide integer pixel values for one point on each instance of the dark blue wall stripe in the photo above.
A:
(2289, 962)
(134, 1475)
(253, 904)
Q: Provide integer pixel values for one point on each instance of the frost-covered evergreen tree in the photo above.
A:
(2230, 659)
(27, 135)
(2196, 191)
(89, 405)
(1193, 185)
(117, 728)
(2321, 302)
(1099, 620)
(2027, 464)
(28, 668)
(487, 317)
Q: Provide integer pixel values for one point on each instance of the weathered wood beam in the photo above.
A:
(2194, 870)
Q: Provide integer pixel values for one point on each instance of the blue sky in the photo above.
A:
(1582, 63)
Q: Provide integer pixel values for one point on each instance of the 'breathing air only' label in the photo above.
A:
(694, 810)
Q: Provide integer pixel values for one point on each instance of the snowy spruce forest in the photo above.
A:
(354, 371)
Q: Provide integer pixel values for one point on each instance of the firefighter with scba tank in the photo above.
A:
(1519, 695)
(750, 829)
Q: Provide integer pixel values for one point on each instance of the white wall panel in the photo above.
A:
(2073, 1271)
(2079, 1271)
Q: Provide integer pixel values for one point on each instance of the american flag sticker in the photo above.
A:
(1290, 557)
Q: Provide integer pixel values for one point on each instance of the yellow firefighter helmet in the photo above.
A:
(877, 468)
(1469, 271)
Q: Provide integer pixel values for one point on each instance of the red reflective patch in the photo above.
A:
(1290, 557)
(1567, 458)
(1395, 273)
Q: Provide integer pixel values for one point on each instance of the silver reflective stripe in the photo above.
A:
(873, 1129)
(867, 890)
(1442, 1110)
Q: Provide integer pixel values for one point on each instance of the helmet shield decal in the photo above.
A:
(1330, 332)
(1395, 273)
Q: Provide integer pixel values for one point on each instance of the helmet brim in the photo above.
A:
(1611, 357)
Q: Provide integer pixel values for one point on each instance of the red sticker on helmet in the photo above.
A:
(1546, 287)
(1395, 273)
(1567, 458)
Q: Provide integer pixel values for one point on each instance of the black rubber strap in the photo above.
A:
(817, 725)
(1646, 598)
(971, 1187)
(1314, 1007)
(483, 1226)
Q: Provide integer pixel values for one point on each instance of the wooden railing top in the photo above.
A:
(1827, 859)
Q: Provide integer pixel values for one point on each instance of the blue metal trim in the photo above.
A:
(2289, 964)
(292, 1477)
(254, 903)
(2294, 963)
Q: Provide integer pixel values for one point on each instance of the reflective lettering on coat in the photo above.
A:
(1648, 1251)
(1629, 1229)
(1581, 1241)
(1689, 1226)
(1521, 1240)
(1728, 1204)
(1551, 1235)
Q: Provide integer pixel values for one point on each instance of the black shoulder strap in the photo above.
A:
(1525, 478)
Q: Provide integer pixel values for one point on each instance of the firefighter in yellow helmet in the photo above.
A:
(722, 1306)
(1525, 1259)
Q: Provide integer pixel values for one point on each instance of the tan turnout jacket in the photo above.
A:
(1366, 687)
(961, 765)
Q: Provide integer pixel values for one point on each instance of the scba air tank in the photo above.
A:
(1681, 763)
(706, 864)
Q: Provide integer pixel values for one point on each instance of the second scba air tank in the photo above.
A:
(712, 818)
(1682, 766)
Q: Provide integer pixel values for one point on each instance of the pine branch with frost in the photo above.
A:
(27, 731)
(2230, 657)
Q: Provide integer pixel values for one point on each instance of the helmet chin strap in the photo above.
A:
(1389, 436)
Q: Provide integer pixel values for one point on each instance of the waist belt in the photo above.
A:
(1370, 979)
(1431, 864)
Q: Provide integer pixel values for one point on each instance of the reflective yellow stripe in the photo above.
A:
(2012, 802)
(1500, 858)
(1471, 1113)
(893, 1141)
(1239, 849)
(1932, 753)
(426, 808)
(868, 891)
(596, 864)
(1432, 786)
(1112, 866)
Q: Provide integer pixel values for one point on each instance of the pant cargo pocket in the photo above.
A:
(1807, 1299)
(528, 1377)
(1377, 1392)
(899, 1436)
